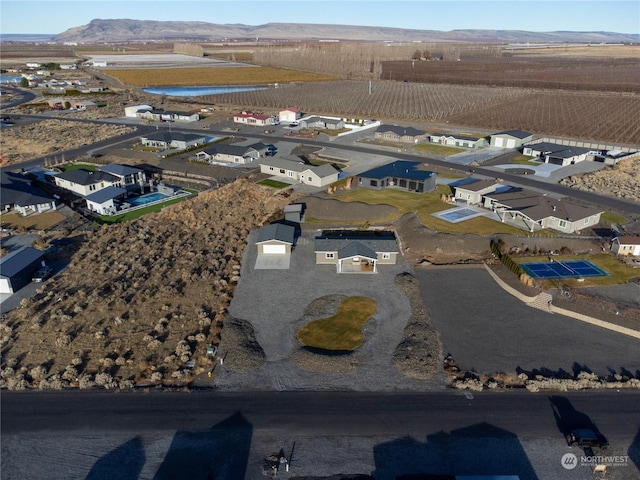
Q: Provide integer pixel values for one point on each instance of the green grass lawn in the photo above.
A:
(439, 149)
(273, 183)
(619, 273)
(524, 160)
(78, 166)
(613, 218)
(423, 205)
(343, 331)
(125, 217)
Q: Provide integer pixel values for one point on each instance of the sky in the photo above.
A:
(56, 16)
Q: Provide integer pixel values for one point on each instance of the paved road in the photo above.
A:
(315, 413)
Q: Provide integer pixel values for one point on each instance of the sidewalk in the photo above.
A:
(543, 302)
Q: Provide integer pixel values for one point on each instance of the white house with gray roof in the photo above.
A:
(236, 154)
(473, 192)
(356, 252)
(177, 140)
(298, 171)
(510, 138)
(395, 133)
(556, 154)
(85, 182)
(454, 140)
(534, 211)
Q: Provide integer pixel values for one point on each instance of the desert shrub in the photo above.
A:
(183, 348)
(38, 373)
(70, 373)
(17, 383)
(105, 380)
(156, 377)
(63, 340)
(120, 361)
(201, 337)
(85, 381)
(153, 344)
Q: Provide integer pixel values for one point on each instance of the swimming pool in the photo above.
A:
(148, 198)
(456, 215)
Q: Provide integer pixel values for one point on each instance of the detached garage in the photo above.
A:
(510, 139)
(275, 239)
(17, 267)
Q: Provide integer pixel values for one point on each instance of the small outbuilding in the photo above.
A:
(17, 267)
(275, 239)
(510, 139)
(627, 246)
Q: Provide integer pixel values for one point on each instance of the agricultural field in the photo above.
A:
(598, 116)
(198, 76)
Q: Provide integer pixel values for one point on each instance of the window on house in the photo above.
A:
(282, 171)
(562, 223)
(271, 169)
(586, 221)
(386, 256)
(373, 183)
(329, 255)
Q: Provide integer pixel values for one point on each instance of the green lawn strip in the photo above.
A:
(273, 183)
(78, 166)
(524, 160)
(619, 273)
(439, 149)
(343, 331)
(613, 218)
(424, 205)
(132, 215)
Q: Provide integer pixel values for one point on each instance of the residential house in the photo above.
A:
(161, 115)
(298, 171)
(400, 174)
(556, 154)
(20, 195)
(99, 63)
(247, 117)
(453, 140)
(17, 267)
(394, 133)
(237, 154)
(83, 105)
(356, 252)
(103, 201)
(33, 65)
(85, 182)
(510, 139)
(275, 239)
(175, 140)
(135, 111)
(324, 123)
(473, 192)
(58, 103)
(289, 115)
(534, 211)
(626, 245)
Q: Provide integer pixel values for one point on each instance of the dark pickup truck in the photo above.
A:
(585, 437)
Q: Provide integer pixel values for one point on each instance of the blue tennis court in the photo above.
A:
(568, 269)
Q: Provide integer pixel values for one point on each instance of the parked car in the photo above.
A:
(42, 274)
(294, 124)
(271, 150)
(586, 437)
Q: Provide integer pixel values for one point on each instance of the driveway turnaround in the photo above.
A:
(272, 262)
(488, 330)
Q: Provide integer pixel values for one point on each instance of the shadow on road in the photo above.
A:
(634, 451)
(480, 449)
(221, 452)
(568, 418)
(124, 463)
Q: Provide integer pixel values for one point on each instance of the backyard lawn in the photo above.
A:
(273, 183)
(423, 205)
(343, 331)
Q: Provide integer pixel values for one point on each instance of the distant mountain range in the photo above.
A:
(125, 30)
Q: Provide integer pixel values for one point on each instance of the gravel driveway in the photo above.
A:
(274, 302)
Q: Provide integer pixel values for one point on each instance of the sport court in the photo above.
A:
(567, 269)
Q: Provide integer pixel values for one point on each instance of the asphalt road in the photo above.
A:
(319, 413)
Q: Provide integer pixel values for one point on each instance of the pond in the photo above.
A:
(10, 79)
(196, 91)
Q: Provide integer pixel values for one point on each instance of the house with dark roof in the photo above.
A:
(20, 195)
(324, 123)
(395, 133)
(177, 140)
(238, 154)
(296, 170)
(103, 201)
(356, 252)
(17, 267)
(400, 174)
(626, 246)
(275, 239)
(510, 138)
(472, 192)
(557, 154)
(454, 140)
(534, 211)
(85, 182)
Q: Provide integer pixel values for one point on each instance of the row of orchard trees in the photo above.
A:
(361, 60)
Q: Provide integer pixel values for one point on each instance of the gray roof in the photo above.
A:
(17, 190)
(293, 207)
(87, 177)
(513, 133)
(453, 135)
(401, 131)
(537, 206)
(477, 185)
(276, 231)
(398, 169)
(169, 137)
(360, 246)
(120, 170)
(14, 262)
(297, 165)
(105, 194)
(557, 150)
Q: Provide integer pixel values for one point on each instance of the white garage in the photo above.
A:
(510, 139)
(274, 249)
